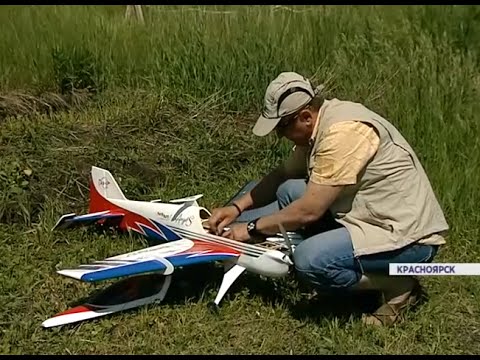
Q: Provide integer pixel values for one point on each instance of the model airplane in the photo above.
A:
(180, 227)
(110, 208)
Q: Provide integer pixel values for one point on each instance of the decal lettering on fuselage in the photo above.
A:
(163, 215)
(184, 221)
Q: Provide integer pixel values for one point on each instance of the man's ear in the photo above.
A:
(305, 116)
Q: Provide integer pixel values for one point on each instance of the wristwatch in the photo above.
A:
(252, 228)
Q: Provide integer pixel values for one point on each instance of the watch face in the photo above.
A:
(250, 226)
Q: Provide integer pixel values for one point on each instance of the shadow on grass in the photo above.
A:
(272, 292)
(342, 307)
(188, 284)
(298, 299)
(200, 283)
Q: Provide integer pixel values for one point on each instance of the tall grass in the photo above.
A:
(197, 51)
(416, 65)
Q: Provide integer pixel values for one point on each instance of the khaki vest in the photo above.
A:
(393, 203)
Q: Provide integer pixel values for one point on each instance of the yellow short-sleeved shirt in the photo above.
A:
(343, 152)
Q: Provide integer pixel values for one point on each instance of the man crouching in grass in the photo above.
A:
(353, 165)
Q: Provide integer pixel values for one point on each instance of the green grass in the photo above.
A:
(173, 106)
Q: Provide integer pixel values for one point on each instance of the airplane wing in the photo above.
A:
(102, 217)
(162, 259)
(127, 293)
(146, 277)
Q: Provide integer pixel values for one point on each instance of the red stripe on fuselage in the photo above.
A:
(99, 203)
(203, 246)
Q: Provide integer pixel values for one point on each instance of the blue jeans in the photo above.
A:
(325, 257)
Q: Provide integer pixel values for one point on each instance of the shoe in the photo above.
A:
(391, 311)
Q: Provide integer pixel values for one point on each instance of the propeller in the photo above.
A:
(287, 239)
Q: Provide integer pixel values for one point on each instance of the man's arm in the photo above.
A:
(304, 211)
(265, 191)
(345, 151)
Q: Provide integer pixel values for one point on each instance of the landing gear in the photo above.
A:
(214, 308)
(228, 279)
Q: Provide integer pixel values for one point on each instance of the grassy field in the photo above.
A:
(168, 108)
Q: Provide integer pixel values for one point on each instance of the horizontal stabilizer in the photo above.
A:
(101, 217)
(190, 199)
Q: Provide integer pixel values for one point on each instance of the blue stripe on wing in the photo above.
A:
(144, 266)
(140, 267)
(188, 259)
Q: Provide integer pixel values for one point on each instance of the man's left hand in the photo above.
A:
(237, 232)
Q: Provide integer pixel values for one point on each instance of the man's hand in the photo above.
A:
(222, 217)
(237, 232)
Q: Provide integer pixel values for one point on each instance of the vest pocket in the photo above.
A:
(377, 219)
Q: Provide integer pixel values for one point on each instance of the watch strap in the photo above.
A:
(252, 228)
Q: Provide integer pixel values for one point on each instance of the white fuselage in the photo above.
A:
(186, 218)
(190, 217)
(256, 259)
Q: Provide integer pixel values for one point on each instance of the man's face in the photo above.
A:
(297, 128)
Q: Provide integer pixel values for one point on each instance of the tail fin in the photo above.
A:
(102, 188)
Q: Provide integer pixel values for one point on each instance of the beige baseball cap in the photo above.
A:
(286, 94)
